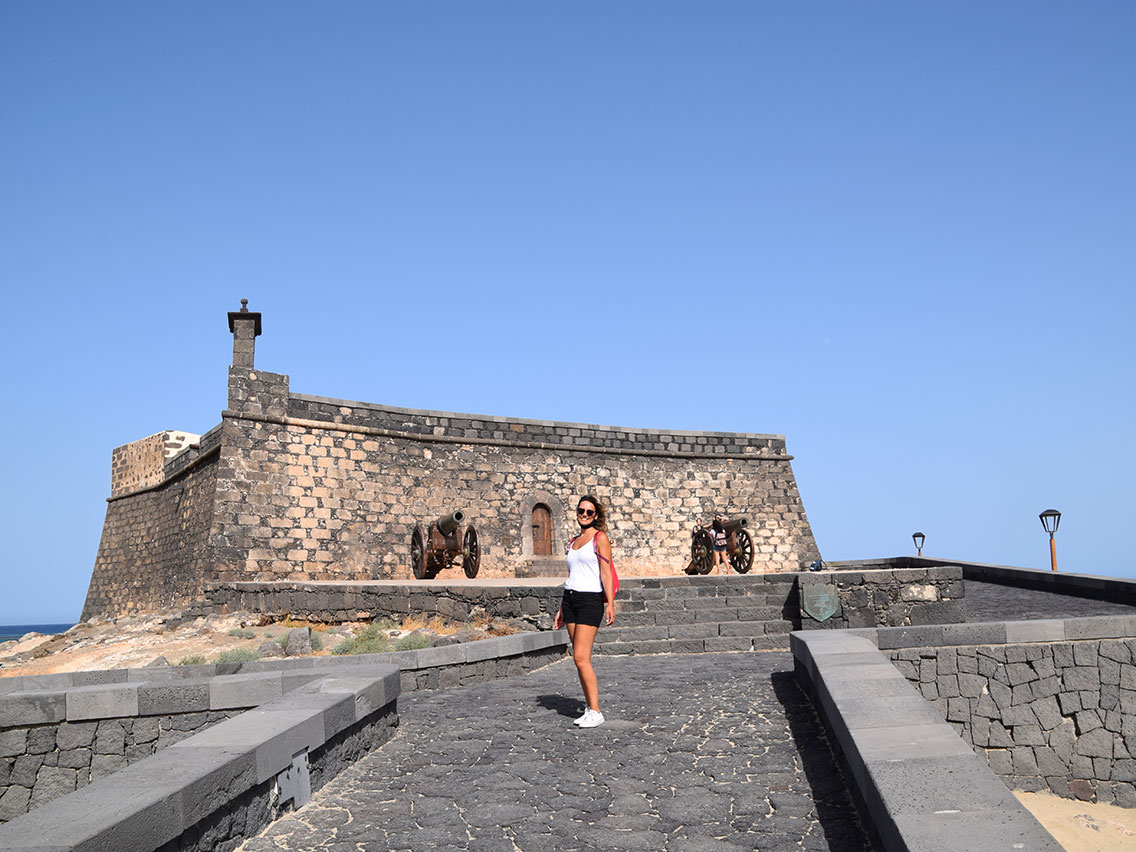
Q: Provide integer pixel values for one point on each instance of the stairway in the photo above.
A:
(739, 612)
(544, 567)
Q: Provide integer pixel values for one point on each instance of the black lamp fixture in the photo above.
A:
(918, 538)
(1050, 520)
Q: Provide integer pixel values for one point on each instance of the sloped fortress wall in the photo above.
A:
(154, 552)
(308, 488)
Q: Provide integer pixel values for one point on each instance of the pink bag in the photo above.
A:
(614, 576)
(599, 559)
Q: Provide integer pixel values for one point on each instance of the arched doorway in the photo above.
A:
(541, 530)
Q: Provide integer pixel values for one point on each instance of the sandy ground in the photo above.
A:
(139, 641)
(132, 642)
(1083, 827)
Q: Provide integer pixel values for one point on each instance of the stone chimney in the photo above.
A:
(252, 391)
(245, 327)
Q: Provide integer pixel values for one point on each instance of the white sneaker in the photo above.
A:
(587, 712)
(591, 719)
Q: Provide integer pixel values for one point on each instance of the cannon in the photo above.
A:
(442, 544)
(739, 548)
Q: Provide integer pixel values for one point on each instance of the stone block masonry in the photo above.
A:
(299, 488)
(337, 497)
(142, 464)
(887, 597)
(332, 603)
(1058, 716)
(40, 763)
(154, 550)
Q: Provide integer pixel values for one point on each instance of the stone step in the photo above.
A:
(619, 633)
(544, 568)
(710, 644)
(764, 595)
(637, 618)
(670, 600)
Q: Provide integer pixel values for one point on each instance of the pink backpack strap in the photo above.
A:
(596, 548)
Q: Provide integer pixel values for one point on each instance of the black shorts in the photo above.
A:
(582, 607)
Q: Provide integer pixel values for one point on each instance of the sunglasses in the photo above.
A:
(587, 513)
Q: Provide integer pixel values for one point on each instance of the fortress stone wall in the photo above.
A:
(154, 553)
(294, 487)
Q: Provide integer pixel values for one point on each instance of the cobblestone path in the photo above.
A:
(993, 602)
(700, 753)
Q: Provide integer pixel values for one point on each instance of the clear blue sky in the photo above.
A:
(901, 234)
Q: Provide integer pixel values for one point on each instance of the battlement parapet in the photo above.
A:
(429, 425)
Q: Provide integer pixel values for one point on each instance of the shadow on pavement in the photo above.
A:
(836, 811)
(571, 707)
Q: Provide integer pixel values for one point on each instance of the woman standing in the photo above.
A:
(588, 598)
(721, 541)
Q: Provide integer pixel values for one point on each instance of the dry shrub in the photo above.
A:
(419, 621)
(482, 620)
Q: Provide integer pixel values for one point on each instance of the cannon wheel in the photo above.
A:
(418, 553)
(742, 557)
(702, 553)
(471, 552)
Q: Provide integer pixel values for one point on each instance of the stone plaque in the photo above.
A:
(819, 600)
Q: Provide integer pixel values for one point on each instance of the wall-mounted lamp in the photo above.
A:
(1050, 519)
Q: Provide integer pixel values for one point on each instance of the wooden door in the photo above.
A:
(541, 530)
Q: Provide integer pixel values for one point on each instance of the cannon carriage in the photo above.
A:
(739, 548)
(443, 543)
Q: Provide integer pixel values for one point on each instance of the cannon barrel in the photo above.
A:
(448, 523)
(734, 526)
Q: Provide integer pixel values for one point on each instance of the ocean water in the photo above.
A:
(15, 631)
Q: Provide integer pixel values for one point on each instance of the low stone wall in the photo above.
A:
(919, 785)
(1047, 715)
(863, 598)
(43, 762)
(60, 732)
(336, 602)
(1117, 590)
(889, 597)
(55, 741)
(221, 786)
(1112, 589)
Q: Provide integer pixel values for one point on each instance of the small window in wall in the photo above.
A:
(542, 530)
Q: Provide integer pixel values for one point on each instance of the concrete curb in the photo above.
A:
(160, 799)
(921, 786)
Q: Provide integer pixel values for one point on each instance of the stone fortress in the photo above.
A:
(887, 704)
(298, 488)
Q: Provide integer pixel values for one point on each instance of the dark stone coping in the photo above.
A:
(999, 632)
(162, 798)
(1112, 589)
(919, 784)
(117, 693)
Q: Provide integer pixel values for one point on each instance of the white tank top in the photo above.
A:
(584, 569)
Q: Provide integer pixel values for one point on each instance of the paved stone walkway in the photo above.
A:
(993, 602)
(701, 753)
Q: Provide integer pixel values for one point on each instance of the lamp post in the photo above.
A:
(918, 538)
(1050, 518)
